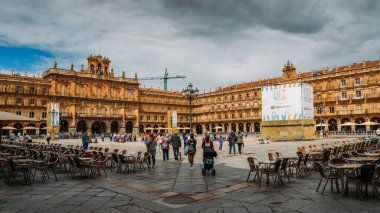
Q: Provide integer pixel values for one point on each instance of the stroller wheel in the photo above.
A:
(213, 172)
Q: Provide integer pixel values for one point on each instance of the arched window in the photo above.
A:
(99, 71)
(92, 69)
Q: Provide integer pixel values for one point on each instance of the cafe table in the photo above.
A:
(345, 170)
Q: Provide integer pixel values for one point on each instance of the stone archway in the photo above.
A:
(375, 120)
(148, 130)
(115, 127)
(256, 127)
(198, 129)
(333, 125)
(31, 131)
(98, 127)
(226, 128)
(129, 127)
(162, 130)
(63, 126)
(155, 128)
(233, 127)
(345, 128)
(207, 128)
(18, 127)
(358, 126)
(43, 129)
(241, 127)
(213, 128)
(82, 126)
(248, 127)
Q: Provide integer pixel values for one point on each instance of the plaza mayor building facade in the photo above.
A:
(93, 99)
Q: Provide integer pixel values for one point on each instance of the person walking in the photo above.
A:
(232, 141)
(85, 141)
(102, 136)
(165, 148)
(240, 141)
(151, 146)
(159, 139)
(191, 149)
(221, 140)
(48, 138)
(175, 140)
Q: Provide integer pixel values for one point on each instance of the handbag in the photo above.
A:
(186, 150)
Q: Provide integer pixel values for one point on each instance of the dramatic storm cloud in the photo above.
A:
(212, 42)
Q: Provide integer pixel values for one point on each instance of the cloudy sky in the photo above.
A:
(214, 43)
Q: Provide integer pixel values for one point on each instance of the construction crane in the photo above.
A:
(165, 77)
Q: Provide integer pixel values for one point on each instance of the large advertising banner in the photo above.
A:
(174, 119)
(287, 102)
(54, 114)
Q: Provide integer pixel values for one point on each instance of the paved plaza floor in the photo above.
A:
(172, 187)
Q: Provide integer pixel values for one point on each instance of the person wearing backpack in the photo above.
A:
(191, 149)
(165, 148)
(151, 148)
(240, 142)
(232, 138)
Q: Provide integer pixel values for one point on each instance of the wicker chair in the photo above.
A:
(330, 177)
(253, 167)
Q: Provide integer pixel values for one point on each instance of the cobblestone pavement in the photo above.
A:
(172, 187)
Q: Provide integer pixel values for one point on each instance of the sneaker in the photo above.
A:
(191, 168)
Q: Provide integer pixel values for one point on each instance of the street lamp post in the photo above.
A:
(190, 93)
(320, 109)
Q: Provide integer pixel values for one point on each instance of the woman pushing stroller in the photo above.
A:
(208, 155)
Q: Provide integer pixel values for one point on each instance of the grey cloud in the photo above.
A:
(228, 16)
(212, 42)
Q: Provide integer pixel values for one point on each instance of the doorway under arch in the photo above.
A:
(257, 127)
(98, 127)
(198, 129)
(82, 126)
(233, 127)
(129, 127)
(115, 127)
(333, 125)
(248, 127)
(63, 126)
(241, 127)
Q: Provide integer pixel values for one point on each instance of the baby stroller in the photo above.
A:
(208, 160)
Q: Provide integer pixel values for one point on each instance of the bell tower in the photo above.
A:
(98, 65)
(288, 71)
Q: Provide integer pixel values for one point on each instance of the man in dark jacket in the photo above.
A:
(175, 140)
(232, 139)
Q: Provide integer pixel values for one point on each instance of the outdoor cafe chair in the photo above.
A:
(116, 162)
(296, 166)
(304, 165)
(272, 172)
(144, 161)
(330, 177)
(253, 167)
(365, 178)
(101, 164)
(283, 172)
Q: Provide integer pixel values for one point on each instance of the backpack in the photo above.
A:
(191, 149)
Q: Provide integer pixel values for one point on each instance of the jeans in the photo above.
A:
(85, 145)
(220, 145)
(153, 159)
(234, 147)
(175, 151)
(165, 154)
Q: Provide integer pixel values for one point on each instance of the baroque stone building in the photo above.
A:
(94, 99)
